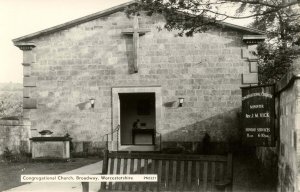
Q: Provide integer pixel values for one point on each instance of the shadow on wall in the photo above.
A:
(215, 135)
(83, 105)
(223, 135)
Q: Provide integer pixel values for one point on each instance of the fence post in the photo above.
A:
(106, 141)
(118, 128)
(104, 168)
(85, 186)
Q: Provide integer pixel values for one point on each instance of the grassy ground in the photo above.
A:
(10, 172)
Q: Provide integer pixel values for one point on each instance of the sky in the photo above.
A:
(22, 17)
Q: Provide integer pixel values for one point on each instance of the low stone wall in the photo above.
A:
(14, 136)
(87, 148)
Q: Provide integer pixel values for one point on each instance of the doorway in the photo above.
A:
(145, 104)
(137, 118)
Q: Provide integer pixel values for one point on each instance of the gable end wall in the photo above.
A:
(88, 60)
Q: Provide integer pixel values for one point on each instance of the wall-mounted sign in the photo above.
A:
(258, 104)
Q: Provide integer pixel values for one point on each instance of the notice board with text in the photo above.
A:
(258, 115)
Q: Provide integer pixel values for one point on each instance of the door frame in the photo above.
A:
(116, 116)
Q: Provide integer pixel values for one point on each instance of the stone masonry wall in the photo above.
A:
(73, 65)
(289, 129)
(14, 135)
(283, 159)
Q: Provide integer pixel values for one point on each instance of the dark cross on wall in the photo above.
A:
(135, 32)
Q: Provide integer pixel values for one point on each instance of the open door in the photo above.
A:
(137, 118)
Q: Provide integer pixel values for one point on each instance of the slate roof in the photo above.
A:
(108, 12)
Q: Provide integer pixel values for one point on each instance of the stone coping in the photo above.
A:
(253, 86)
(287, 80)
(50, 139)
(21, 122)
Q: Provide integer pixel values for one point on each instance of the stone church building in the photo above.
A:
(145, 87)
